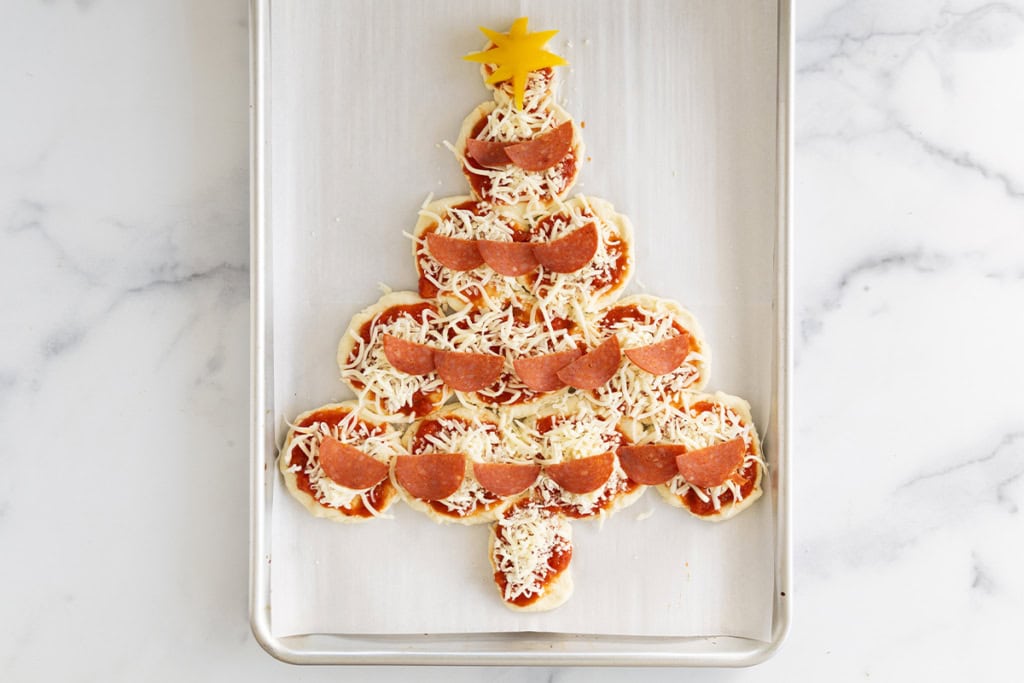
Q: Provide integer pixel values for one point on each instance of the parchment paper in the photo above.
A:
(678, 100)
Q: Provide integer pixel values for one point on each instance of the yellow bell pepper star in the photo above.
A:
(516, 54)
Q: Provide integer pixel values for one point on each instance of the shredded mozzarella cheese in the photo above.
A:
(466, 223)
(479, 441)
(511, 184)
(584, 504)
(380, 444)
(502, 331)
(526, 539)
(566, 293)
(375, 379)
(582, 433)
(506, 123)
(636, 393)
(697, 430)
(537, 94)
(639, 395)
(577, 434)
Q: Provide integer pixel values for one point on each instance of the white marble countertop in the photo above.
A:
(124, 366)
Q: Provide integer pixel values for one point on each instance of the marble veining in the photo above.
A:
(962, 159)
(1007, 448)
(99, 284)
(909, 254)
(981, 580)
(862, 273)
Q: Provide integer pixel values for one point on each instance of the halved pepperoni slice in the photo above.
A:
(468, 371)
(505, 478)
(454, 253)
(652, 464)
(486, 153)
(583, 475)
(663, 357)
(409, 357)
(543, 151)
(540, 373)
(595, 368)
(508, 258)
(432, 476)
(713, 465)
(349, 466)
(570, 253)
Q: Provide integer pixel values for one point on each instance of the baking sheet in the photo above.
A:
(679, 100)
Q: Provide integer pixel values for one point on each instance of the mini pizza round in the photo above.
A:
(664, 355)
(537, 86)
(576, 442)
(449, 456)
(447, 256)
(406, 328)
(537, 92)
(335, 461)
(532, 347)
(531, 553)
(586, 256)
(520, 156)
(719, 460)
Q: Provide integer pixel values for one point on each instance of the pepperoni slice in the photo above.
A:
(712, 466)
(540, 373)
(468, 371)
(489, 154)
(570, 253)
(349, 466)
(595, 368)
(432, 476)
(653, 464)
(663, 357)
(583, 475)
(543, 151)
(505, 478)
(508, 258)
(454, 253)
(409, 357)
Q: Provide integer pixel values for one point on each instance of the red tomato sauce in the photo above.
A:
(378, 496)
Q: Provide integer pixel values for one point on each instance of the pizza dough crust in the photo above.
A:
(478, 516)
(503, 289)
(347, 345)
(559, 115)
(575, 405)
(556, 592)
(612, 226)
(668, 307)
(307, 500)
(734, 507)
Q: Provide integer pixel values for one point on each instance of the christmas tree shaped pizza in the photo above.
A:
(516, 387)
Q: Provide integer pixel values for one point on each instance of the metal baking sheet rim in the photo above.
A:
(508, 649)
